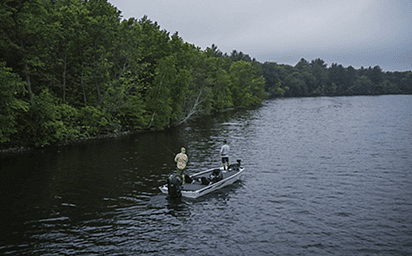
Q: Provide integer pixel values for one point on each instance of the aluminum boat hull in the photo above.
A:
(195, 189)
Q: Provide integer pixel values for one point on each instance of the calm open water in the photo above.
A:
(324, 176)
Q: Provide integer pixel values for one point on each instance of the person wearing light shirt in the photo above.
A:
(181, 160)
(224, 154)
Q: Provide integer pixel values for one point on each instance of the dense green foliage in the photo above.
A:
(73, 68)
(316, 79)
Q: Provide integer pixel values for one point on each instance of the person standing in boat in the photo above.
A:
(181, 160)
(224, 154)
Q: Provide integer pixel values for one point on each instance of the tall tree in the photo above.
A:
(319, 72)
(406, 83)
(159, 99)
(247, 86)
(337, 76)
(375, 75)
(26, 32)
(11, 107)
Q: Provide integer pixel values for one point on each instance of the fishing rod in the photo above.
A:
(166, 147)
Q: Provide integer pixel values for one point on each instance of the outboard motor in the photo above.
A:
(174, 184)
(236, 167)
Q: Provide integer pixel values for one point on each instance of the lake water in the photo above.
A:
(324, 176)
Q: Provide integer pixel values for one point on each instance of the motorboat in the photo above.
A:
(203, 182)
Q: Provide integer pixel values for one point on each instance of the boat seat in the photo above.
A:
(216, 175)
(205, 181)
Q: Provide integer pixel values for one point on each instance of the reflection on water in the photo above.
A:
(323, 176)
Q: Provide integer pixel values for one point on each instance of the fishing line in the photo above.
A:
(166, 147)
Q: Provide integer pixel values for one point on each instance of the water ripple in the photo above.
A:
(324, 176)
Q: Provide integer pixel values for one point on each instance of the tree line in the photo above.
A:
(316, 79)
(72, 69)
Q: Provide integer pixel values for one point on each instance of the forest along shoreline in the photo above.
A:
(104, 76)
(24, 148)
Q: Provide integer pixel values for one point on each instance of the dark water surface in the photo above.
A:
(324, 176)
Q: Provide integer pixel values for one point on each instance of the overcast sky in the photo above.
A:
(348, 32)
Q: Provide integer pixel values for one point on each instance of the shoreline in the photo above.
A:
(15, 150)
(24, 149)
